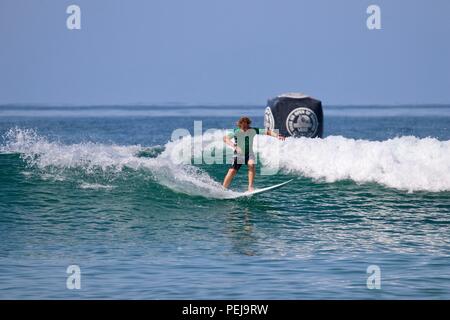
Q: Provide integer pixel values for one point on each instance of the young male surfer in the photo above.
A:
(243, 137)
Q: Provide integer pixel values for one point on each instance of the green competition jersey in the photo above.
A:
(244, 140)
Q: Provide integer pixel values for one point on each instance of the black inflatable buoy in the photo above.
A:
(295, 114)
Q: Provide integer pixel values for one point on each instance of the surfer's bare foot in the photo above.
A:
(251, 189)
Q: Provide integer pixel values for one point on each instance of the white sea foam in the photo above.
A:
(404, 163)
(38, 152)
(95, 186)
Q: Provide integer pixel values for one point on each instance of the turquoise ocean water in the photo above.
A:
(98, 187)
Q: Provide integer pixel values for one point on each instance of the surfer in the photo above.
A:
(243, 149)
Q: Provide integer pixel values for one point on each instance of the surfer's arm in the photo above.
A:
(274, 134)
(227, 140)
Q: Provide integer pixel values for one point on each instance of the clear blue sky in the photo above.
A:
(224, 51)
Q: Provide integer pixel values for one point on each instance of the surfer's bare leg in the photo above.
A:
(251, 174)
(229, 177)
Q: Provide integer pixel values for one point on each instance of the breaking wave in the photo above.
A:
(91, 157)
(404, 163)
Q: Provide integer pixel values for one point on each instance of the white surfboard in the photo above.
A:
(258, 191)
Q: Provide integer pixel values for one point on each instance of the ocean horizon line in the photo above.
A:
(211, 105)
